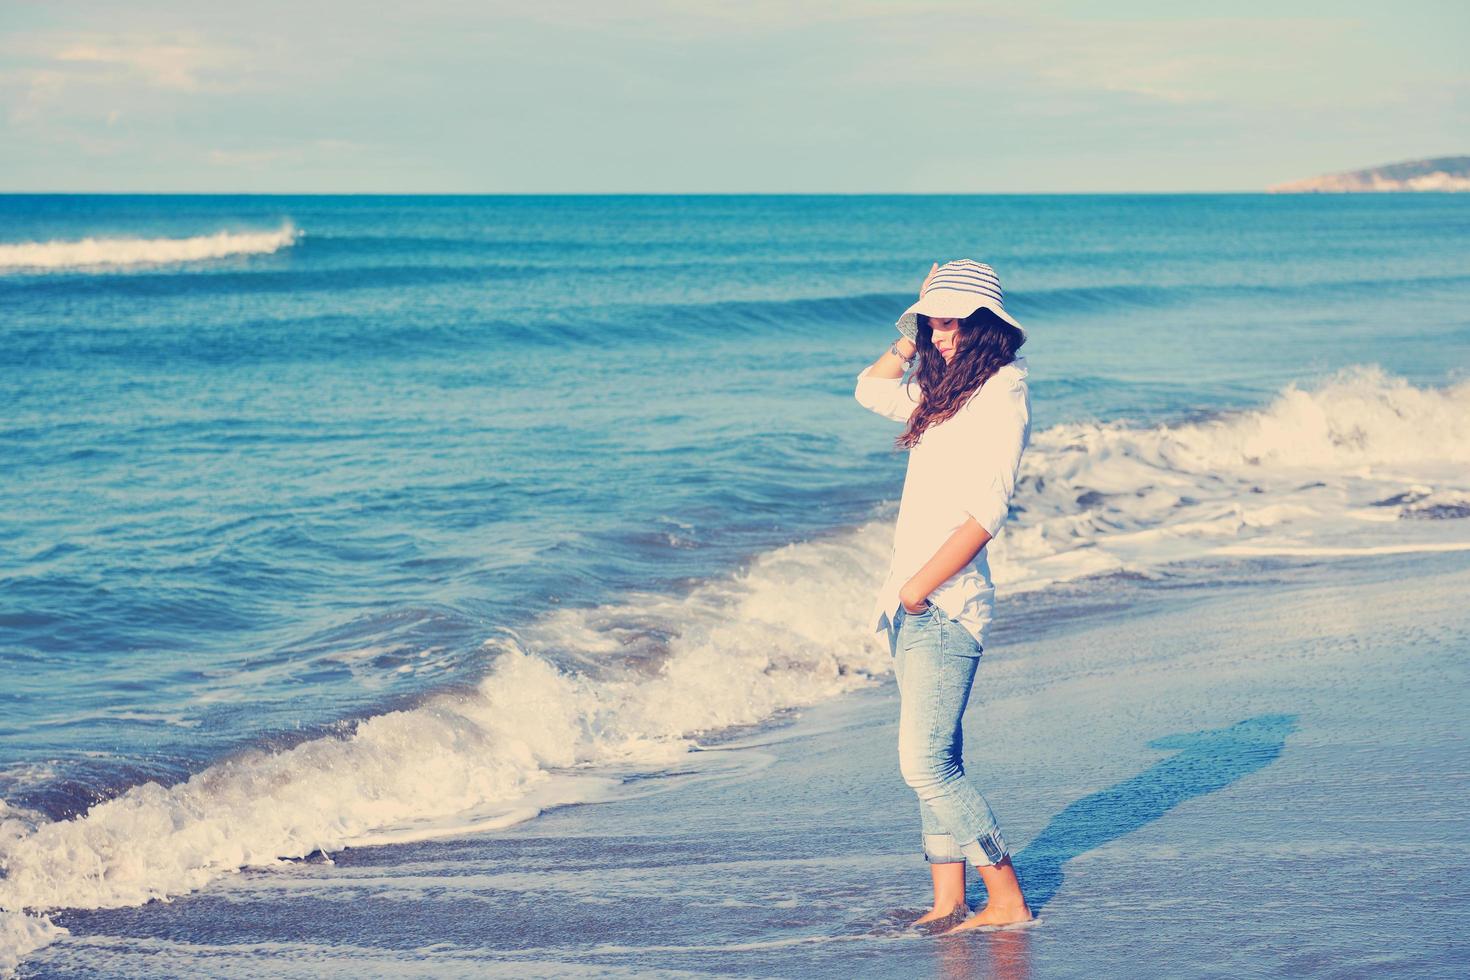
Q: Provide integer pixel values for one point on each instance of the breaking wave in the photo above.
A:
(93, 252)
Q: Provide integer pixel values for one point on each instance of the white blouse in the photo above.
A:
(962, 467)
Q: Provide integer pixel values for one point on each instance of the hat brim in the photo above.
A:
(950, 303)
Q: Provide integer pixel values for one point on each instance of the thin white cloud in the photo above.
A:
(683, 21)
(71, 73)
(1225, 59)
(183, 63)
(31, 92)
(86, 90)
(1168, 61)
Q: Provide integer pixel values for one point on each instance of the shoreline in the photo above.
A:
(1093, 729)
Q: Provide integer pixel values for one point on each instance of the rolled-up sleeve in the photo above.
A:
(889, 397)
(999, 421)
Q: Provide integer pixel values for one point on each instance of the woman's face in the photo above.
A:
(945, 334)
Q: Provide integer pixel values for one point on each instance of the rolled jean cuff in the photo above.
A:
(941, 849)
(988, 849)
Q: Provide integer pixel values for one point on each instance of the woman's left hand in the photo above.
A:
(914, 612)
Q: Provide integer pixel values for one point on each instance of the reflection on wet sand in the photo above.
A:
(1004, 954)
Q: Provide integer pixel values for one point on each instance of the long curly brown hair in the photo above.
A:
(985, 344)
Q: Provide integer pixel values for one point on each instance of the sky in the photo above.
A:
(659, 96)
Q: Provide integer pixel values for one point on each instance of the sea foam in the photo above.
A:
(530, 735)
(1352, 457)
(92, 252)
(581, 694)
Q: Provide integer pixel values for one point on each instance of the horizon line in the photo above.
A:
(1137, 193)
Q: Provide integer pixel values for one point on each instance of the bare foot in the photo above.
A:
(941, 912)
(995, 915)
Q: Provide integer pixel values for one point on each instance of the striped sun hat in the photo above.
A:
(958, 289)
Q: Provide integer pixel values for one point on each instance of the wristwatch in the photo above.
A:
(893, 349)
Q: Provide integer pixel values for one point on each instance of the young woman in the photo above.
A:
(967, 415)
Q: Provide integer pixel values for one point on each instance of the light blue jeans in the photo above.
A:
(934, 660)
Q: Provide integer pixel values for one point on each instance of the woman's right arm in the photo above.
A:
(880, 386)
(889, 364)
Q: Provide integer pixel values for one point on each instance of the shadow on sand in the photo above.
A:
(1206, 761)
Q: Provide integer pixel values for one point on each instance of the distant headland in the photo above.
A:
(1439, 174)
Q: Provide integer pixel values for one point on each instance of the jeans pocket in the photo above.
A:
(917, 629)
(929, 610)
